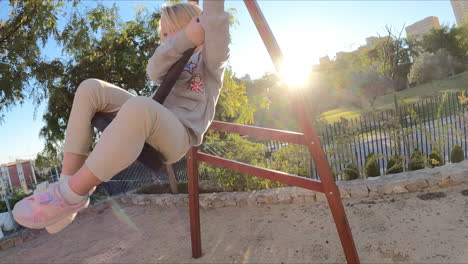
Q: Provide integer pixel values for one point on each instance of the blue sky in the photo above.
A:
(304, 29)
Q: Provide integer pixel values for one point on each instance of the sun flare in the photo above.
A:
(295, 72)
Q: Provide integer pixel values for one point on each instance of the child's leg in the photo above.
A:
(72, 162)
(140, 120)
(92, 96)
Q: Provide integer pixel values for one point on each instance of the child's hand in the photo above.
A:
(195, 32)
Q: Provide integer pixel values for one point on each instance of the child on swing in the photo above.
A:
(171, 128)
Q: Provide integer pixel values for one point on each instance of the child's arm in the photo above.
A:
(166, 55)
(215, 22)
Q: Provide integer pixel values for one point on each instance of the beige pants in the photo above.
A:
(140, 119)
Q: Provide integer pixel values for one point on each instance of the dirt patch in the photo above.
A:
(464, 192)
(390, 232)
(432, 196)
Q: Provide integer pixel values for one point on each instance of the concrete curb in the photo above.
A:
(406, 182)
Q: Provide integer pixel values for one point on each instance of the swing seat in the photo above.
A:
(149, 156)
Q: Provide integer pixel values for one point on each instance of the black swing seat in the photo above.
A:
(149, 156)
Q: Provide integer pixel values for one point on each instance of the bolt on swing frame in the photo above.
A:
(308, 138)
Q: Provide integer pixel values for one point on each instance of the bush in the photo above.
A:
(372, 168)
(435, 159)
(293, 159)
(351, 172)
(234, 147)
(18, 195)
(394, 165)
(3, 207)
(417, 161)
(429, 67)
(457, 154)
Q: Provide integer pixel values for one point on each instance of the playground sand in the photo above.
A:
(408, 228)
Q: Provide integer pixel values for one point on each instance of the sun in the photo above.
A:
(295, 72)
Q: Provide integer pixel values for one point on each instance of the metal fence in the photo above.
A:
(432, 122)
(437, 121)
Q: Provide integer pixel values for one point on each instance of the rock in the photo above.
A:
(6, 244)
(344, 194)
(298, 199)
(125, 200)
(218, 202)
(432, 188)
(206, 203)
(284, 198)
(399, 189)
(157, 200)
(446, 183)
(416, 185)
(266, 199)
(230, 202)
(181, 201)
(252, 199)
(170, 201)
(309, 199)
(241, 199)
(359, 191)
(435, 178)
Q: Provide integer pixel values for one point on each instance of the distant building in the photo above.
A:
(18, 174)
(422, 27)
(324, 60)
(460, 9)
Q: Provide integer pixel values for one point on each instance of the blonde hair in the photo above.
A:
(177, 16)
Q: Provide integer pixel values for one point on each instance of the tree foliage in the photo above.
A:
(28, 27)
(430, 67)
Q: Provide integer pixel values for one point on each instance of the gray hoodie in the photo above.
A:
(195, 94)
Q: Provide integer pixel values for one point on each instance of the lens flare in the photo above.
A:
(295, 72)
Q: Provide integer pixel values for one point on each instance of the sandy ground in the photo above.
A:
(390, 229)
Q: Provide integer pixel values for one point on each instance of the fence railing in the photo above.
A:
(431, 122)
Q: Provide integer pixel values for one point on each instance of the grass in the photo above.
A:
(458, 82)
(334, 115)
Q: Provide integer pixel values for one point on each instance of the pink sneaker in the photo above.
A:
(62, 223)
(45, 208)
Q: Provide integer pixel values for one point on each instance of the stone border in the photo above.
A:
(18, 238)
(415, 181)
(406, 182)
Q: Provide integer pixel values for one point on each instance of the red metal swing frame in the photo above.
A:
(308, 138)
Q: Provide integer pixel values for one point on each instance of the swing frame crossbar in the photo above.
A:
(308, 138)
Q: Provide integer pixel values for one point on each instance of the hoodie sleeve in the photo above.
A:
(215, 22)
(166, 55)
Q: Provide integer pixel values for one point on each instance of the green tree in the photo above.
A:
(28, 27)
(449, 38)
(98, 46)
